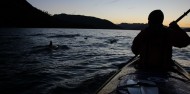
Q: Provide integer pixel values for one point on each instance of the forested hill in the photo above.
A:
(133, 26)
(19, 13)
(85, 21)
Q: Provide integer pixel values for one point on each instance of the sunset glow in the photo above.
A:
(118, 11)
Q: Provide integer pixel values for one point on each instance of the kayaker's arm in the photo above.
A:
(137, 43)
(179, 37)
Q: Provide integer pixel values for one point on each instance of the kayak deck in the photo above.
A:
(172, 84)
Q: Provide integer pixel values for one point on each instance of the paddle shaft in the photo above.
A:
(182, 16)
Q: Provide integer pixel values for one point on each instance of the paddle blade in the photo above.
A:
(181, 70)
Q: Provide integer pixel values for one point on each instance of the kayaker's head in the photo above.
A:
(156, 17)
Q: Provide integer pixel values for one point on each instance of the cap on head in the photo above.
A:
(156, 17)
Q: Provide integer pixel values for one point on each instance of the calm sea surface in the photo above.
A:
(84, 59)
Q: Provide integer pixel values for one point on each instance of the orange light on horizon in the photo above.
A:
(183, 23)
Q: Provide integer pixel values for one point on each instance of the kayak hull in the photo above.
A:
(166, 83)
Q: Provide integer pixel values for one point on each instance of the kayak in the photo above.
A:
(129, 80)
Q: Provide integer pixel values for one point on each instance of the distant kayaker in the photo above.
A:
(154, 43)
(50, 44)
(52, 47)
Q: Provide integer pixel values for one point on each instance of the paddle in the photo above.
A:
(178, 67)
(181, 70)
(182, 16)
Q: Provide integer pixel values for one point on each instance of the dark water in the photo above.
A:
(84, 59)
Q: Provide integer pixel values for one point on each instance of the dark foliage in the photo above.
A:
(19, 13)
(85, 21)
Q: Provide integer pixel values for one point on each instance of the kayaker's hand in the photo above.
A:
(174, 26)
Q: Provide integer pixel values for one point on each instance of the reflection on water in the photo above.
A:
(85, 58)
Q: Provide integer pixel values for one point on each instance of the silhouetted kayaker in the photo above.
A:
(50, 44)
(154, 44)
(52, 47)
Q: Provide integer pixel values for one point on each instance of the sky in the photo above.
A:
(118, 11)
